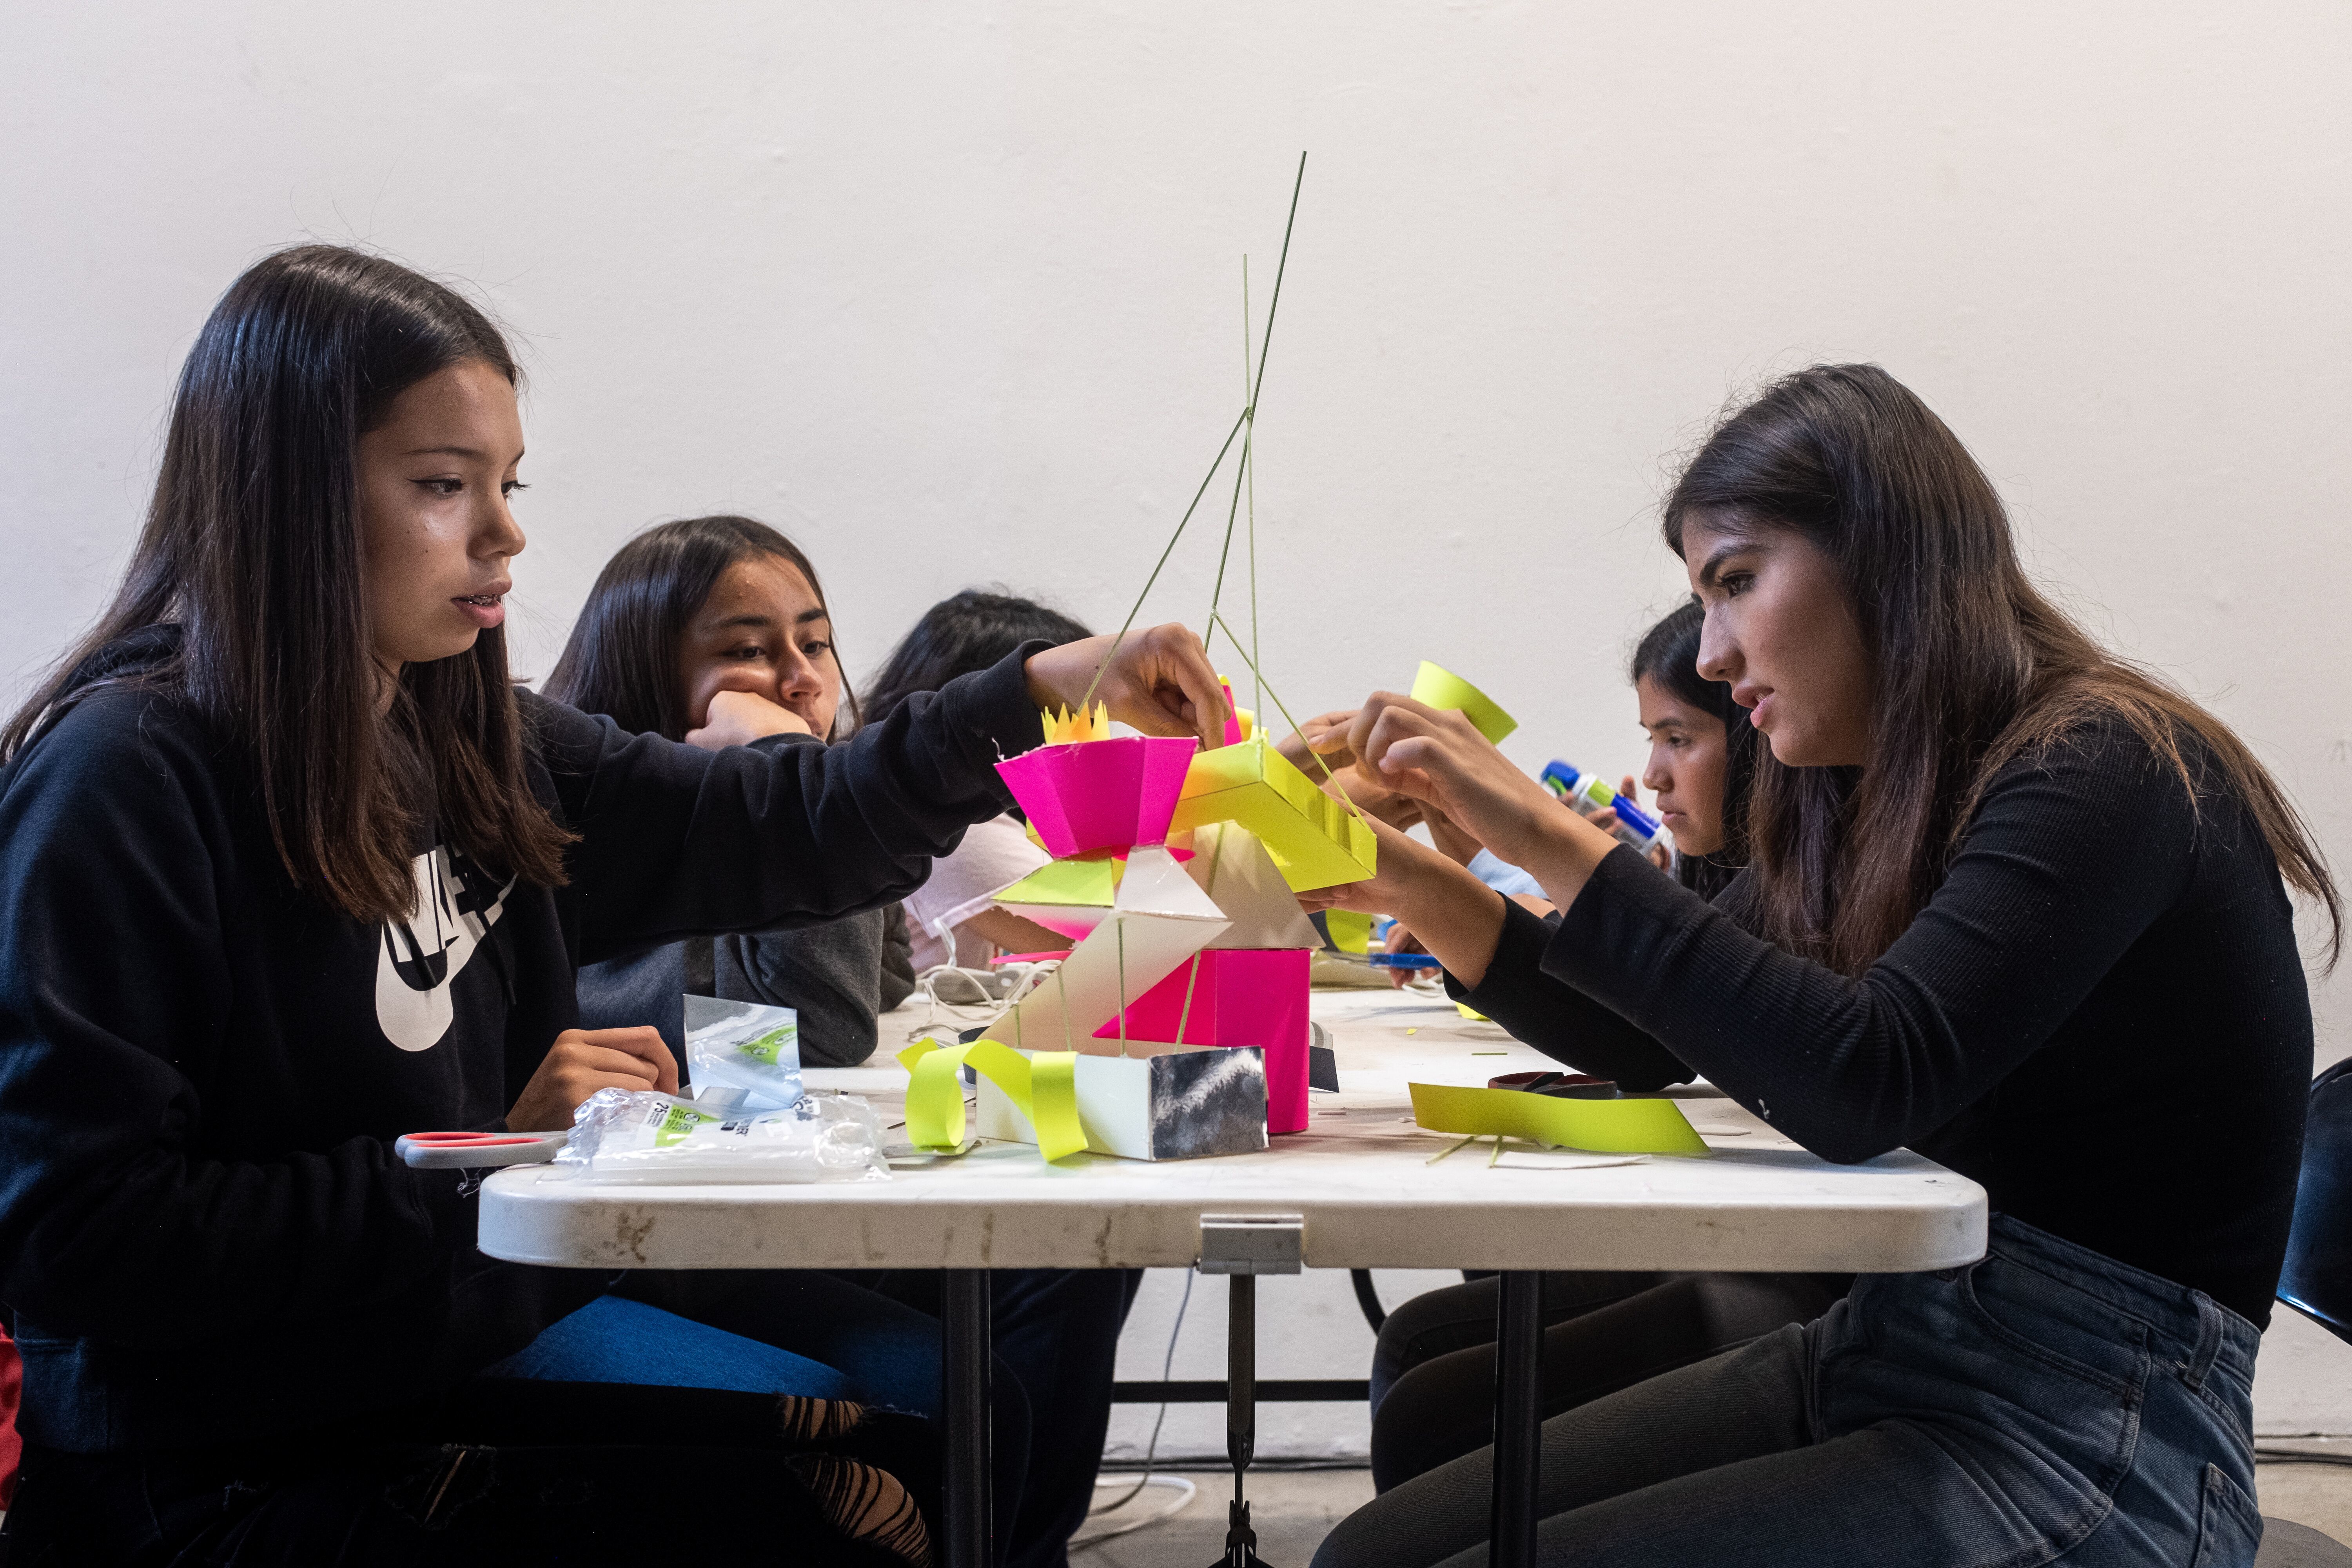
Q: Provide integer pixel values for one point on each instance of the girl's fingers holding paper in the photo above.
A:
(643, 1044)
(583, 1061)
(1319, 743)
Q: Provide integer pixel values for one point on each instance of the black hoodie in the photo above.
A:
(205, 1234)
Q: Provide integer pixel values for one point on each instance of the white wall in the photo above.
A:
(951, 293)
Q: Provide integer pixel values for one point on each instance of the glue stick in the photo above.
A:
(1634, 827)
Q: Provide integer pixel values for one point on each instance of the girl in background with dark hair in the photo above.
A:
(287, 868)
(1434, 1368)
(1702, 753)
(954, 918)
(2008, 902)
(682, 612)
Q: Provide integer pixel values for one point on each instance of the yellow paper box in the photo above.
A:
(1315, 839)
(1442, 688)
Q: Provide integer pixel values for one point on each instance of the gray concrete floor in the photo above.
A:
(2317, 1495)
(1292, 1509)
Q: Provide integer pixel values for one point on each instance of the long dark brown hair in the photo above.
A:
(1972, 666)
(623, 659)
(252, 548)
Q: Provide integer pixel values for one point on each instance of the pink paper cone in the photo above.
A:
(1094, 795)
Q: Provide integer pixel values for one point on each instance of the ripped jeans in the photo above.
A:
(2046, 1404)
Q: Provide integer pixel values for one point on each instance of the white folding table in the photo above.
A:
(1355, 1191)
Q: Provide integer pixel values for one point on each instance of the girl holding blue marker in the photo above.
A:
(1432, 1369)
(2001, 883)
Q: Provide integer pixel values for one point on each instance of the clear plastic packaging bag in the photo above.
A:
(742, 1053)
(642, 1137)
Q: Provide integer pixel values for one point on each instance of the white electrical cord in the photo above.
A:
(1152, 1450)
(1186, 1492)
(980, 983)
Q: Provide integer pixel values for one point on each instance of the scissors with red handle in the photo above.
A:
(476, 1150)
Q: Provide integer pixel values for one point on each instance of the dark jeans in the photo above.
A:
(2046, 1402)
(1433, 1369)
(498, 1473)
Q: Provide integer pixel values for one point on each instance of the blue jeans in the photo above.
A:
(2046, 1405)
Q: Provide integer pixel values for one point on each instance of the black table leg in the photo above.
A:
(1241, 1416)
(964, 1369)
(1518, 1419)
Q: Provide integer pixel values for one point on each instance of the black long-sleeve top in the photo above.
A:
(2101, 1015)
(836, 975)
(205, 1234)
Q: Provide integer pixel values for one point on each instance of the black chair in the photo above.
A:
(2317, 1279)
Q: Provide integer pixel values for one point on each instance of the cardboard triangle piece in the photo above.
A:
(1157, 918)
(1231, 865)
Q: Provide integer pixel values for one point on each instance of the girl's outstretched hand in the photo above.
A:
(1160, 681)
(1438, 756)
(1318, 747)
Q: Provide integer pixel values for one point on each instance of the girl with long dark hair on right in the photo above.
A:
(290, 867)
(1432, 1383)
(2009, 902)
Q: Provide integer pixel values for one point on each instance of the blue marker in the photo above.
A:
(1634, 827)
(1381, 926)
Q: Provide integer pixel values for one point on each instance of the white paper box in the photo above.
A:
(1180, 1104)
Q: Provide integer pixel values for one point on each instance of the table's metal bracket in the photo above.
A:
(1253, 1243)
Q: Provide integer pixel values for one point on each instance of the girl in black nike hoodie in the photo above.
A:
(289, 868)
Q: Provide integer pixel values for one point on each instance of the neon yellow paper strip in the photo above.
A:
(1080, 883)
(1441, 688)
(1604, 1126)
(1043, 1087)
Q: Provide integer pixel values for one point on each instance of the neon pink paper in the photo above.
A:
(1092, 795)
(1244, 997)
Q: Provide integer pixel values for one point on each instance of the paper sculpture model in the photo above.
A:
(1185, 999)
(1178, 1025)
